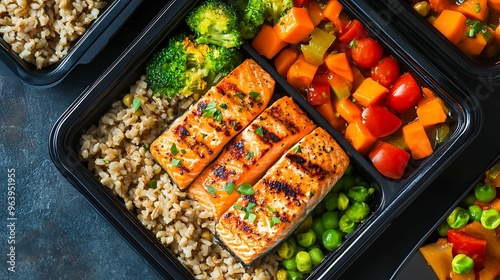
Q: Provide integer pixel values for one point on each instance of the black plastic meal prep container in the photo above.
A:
(84, 49)
(391, 196)
(428, 40)
(415, 262)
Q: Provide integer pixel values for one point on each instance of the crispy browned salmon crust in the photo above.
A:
(283, 197)
(250, 154)
(197, 137)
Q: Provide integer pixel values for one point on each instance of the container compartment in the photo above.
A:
(421, 34)
(390, 196)
(84, 49)
(415, 266)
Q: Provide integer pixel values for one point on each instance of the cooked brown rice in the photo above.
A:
(43, 31)
(116, 150)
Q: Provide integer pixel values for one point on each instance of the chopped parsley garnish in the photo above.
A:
(223, 106)
(204, 135)
(249, 155)
(211, 190)
(211, 111)
(173, 149)
(478, 7)
(297, 149)
(259, 131)
(271, 209)
(254, 95)
(176, 162)
(153, 184)
(183, 151)
(246, 189)
(229, 187)
(136, 103)
(249, 215)
(146, 148)
(240, 109)
(105, 161)
(239, 95)
(274, 220)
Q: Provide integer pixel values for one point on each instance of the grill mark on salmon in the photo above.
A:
(195, 139)
(248, 156)
(288, 191)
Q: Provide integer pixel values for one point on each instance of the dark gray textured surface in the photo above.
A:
(58, 235)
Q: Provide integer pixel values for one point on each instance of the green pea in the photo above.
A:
(294, 275)
(318, 227)
(289, 264)
(307, 238)
(281, 275)
(458, 218)
(358, 211)
(462, 264)
(287, 249)
(330, 219)
(331, 201)
(358, 193)
(343, 201)
(485, 192)
(331, 239)
(468, 200)
(319, 209)
(475, 213)
(443, 228)
(306, 224)
(346, 225)
(423, 8)
(317, 256)
(490, 218)
(127, 99)
(303, 260)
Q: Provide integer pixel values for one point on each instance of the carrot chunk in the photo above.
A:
(332, 10)
(285, 59)
(430, 111)
(315, 12)
(301, 73)
(267, 43)
(359, 136)
(473, 46)
(417, 140)
(327, 111)
(295, 26)
(451, 24)
(473, 9)
(339, 64)
(348, 110)
(369, 92)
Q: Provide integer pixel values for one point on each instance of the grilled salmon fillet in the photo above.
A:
(250, 154)
(283, 198)
(199, 135)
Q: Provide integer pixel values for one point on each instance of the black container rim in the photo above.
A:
(82, 52)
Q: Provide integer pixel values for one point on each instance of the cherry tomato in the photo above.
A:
(352, 31)
(389, 160)
(380, 121)
(404, 93)
(469, 245)
(366, 52)
(318, 93)
(386, 71)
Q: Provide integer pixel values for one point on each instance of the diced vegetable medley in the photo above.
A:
(359, 88)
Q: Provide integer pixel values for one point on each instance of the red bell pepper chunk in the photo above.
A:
(465, 244)
(389, 160)
(300, 3)
(318, 93)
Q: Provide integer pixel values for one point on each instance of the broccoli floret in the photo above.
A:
(177, 68)
(254, 13)
(185, 67)
(219, 62)
(215, 22)
(276, 9)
